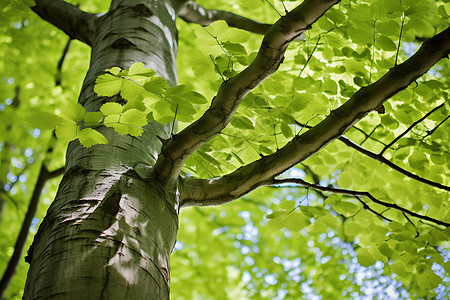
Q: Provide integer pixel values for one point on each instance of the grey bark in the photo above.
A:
(109, 232)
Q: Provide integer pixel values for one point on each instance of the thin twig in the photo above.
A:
(274, 8)
(273, 123)
(369, 135)
(373, 51)
(259, 153)
(387, 162)
(353, 127)
(412, 223)
(58, 76)
(357, 193)
(392, 165)
(230, 62)
(309, 57)
(436, 127)
(399, 38)
(409, 128)
(217, 68)
(380, 215)
(284, 6)
(7, 195)
(174, 120)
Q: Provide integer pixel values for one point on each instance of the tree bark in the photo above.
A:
(109, 232)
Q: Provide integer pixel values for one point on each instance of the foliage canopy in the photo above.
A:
(372, 229)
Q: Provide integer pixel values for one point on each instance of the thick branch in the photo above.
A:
(76, 23)
(194, 13)
(175, 151)
(358, 194)
(390, 164)
(262, 171)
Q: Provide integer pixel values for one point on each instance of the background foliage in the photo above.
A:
(276, 243)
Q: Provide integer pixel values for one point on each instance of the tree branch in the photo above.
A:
(192, 12)
(436, 127)
(358, 194)
(365, 206)
(76, 23)
(44, 175)
(271, 53)
(409, 129)
(58, 79)
(262, 171)
(387, 162)
(390, 164)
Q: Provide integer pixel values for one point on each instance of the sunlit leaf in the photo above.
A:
(89, 137)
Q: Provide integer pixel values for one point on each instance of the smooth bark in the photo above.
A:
(109, 232)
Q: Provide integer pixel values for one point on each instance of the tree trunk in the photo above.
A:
(111, 228)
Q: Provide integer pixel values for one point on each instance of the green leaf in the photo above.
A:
(330, 86)
(345, 208)
(43, 119)
(114, 70)
(447, 8)
(385, 250)
(139, 68)
(134, 117)
(156, 85)
(185, 111)
(131, 91)
(418, 160)
(235, 49)
(345, 180)
(428, 280)
(365, 259)
(67, 132)
(73, 111)
(108, 85)
(276, 214)
(385, 43)
(389, 27)
(295, 221)
(111, 108)
(89, 137)
(300, 102)
(181, 91)
(217, 28)
(93, 118)
(242, 122)
(111, 119)
(329, 220)
(162, 111)
(286, 130)
(360, 35)
(399, 268)
(123, 129)
(446, 266)
(287, 205)
(378, 9)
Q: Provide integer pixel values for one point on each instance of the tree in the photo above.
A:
(344, 118)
